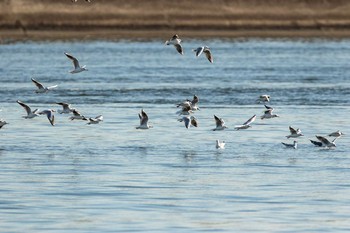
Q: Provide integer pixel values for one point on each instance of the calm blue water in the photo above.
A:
(113, 178)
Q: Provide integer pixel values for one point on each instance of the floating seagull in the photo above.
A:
(246, 124)
(30, 113)
(50, 115)
(143, 121)
(336, 134)
(95, 120)
(77, 67)
(77, 116)
(42, 88)
(220, 145)
(66, 108)
(175, 40)
(316, 143)
(263, 98)
(192, 103)
(268, 113)
(220, 123)
(294, 145)
(2, 123)
(294, 133)
(189, 120)
(325, 142)
(207, 52)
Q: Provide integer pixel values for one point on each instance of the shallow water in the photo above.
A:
(111, 177)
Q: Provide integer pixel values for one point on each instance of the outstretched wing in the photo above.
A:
(208, 55)
(179, 48)
(250, 120)
(26, 107)
(199, 51)
(292, 131)
(75, 61)
(37, 84)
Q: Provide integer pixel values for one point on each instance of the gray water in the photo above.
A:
(112, 177)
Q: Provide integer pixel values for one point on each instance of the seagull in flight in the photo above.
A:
(220, 123)
(206, 51)
(192, 103)
(2, 123)
(294, 145)
(189, 120)
(30, 114)
(66, 108)
(95, 120)
(77, 67)
(325, 142)
(263, 98)
(220, 145)
(143, 120)
(41, 87)
(246, 124)
(175, 40)
(294, 133)
(50, 116)
(77, 116)
(336, 134)
(268, 113)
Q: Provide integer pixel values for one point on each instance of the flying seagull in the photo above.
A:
(206, 51)
(268, 113)
(294, 133)
(143, 120)
(95, 120)
(66, 108)
(294, 145)
(263, 98)
(50, 116)
(77, 67)
(192, 103)
(325, 142)
(189, 120)
(77, 116)
(246, 124)
(175, 40)
(41, 87)
(336, 134)
(220, 123)
(30, 113)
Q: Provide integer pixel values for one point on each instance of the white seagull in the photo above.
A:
(143, 120)
(189, 121)
(30, 113)
(294, 145)
(263, 98)
(185, 110)
(2, 123)
(268, 113)
(325, 142)
(192, 103)
(41, 87)
(50, 115)
(246, 124)
(336, 134)
(207, 52)
(294, 133)
(220, 145)
(175, 40)
(77, 116)
(77, 67)
(66, 108)
(220, 123)
(95, 120)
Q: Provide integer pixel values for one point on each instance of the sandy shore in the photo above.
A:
(135, 19)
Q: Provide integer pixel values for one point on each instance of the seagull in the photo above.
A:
(220, 123)
(192, 103)
(77, 67)
(336, 134)
(325, 142)
(316, 143)
(246, 124)
(66, 108)
(294, 145)
(95, 120)
(263, 98)
(77, 116)
(220, 145)
(30, 113)
(185, 110)
(2, 123)
(143, 121)
(175, 40)
(294, 133)
(50, 115)
(268, 113)
(189, 121)
(206, 50)
(42, 88)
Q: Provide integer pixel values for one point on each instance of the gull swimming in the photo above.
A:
(175, 40)
(77, 67)
(294, 145)
(143, 120)
(207, 52)
(246, 124)
(325, 142)
(220, 145)
(263, 98)
(41, 87)
(192, 103)
(294, 133)
(30, 114)
(50, 116)
(336, 134)
(66, 108)
(268, 113)
(220, 123)
(2, 123)
(189, 120)
(77, 116)
(95, 120)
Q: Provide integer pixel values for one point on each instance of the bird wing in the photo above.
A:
(75, 61)
(218, 121)
(316, 143)
(26, 107)
(208, 55)
(269, 107)
(179, 48)
(64, 105)
(195, 100)
(250, 120)
(194, 122)
(37, 84)
(187, 122)
(323, 140)
(292, 131)
(199, 51)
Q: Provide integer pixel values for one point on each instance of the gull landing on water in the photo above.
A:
(66, 108)
(220, 145)
(41, 87)
(206, 51)
(50, 116)
(246, 124)
(294, 145)
(95, 120)
(294, 133)
(189, 121)
(30, 114)
(143, 121)
(220, 123)
(175, 40)
(77, 67)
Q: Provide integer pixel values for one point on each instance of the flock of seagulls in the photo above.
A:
(186, 108)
